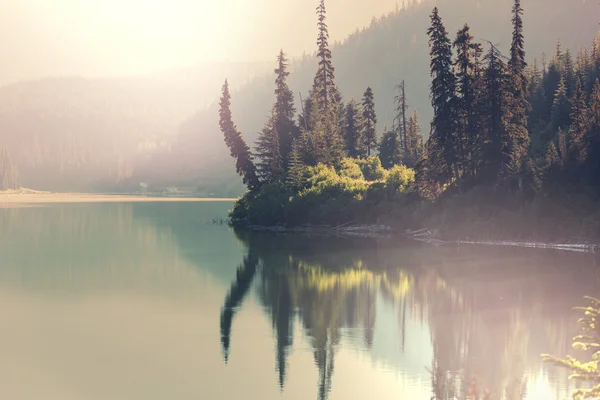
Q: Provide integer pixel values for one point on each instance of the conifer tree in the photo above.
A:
(415, 140)
(235, 142)
(369, 121)
(400, 120)
(284, 110)
(560, 108)
(324, 143)
(295, 173)
(352, 130)
(593, 135)
(579, 126)
(493, 103)
(389, 149)
(442, 154)
(270, 166)
(518, 136)
(468, 53)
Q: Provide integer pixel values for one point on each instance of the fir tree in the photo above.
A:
(518, 137)
(270, 167)
(442, 154)
(562, 146)
(284, 110)
(369, 121)
(324, 92)
(389, 149)
(295, 174)
(400, 120)
(415, 140)
(235, 142)
(560, 108)
(352, 130)
(324, 143)
(579, 126)
(468, 53)
(493, 103)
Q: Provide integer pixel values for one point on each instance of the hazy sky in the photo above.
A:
(41, 38)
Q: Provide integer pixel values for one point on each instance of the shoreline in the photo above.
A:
(12, 199)
(423, 235)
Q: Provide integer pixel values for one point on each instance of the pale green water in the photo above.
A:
(152, 301)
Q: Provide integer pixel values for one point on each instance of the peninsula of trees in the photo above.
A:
(506, 139)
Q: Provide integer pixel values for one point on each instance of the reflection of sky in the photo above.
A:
(140, 320)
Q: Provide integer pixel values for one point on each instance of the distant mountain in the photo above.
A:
(86, 134)
(394, 47)
(162, 129)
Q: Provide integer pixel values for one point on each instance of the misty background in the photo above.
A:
(100, 96)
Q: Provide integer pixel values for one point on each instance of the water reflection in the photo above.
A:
(488, 313)
(121, 301)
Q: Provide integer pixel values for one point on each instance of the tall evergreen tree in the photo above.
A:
(579, 126)
(325, 94)
(442, 154)
(369, 121)
(518, 137)
(235, 142)
(400, 120)
(415, 140)
(284, 110)
(352, 130)
(493, 103)
(560, 108)
(389, 149)
(468, 53)
(324, 143)
(270, 167)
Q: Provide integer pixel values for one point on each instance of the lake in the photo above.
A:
(154, 301)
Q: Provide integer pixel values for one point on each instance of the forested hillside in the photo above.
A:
(87, 134)
(110, 134)
(393, 48)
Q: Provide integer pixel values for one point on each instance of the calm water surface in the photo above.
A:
(152, 301)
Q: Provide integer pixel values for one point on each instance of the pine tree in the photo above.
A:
(324, 92)
(493, 104)
(562, 146)
(593, 134)
(352, 130)
(442, 153)
(415, 140)
(400, 120)
(235, 142)
(369, 121)
(284, 110)
(467, 66)
(324, 143)
(579, 126)
(295, 173)
(518, 137)
(551, 155)
(270, 167)
(389, 149)
(8, 173)
(560, 109)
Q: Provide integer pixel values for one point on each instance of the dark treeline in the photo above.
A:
(498, 123)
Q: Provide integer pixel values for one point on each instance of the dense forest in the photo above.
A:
(502, 129)
(70, 133)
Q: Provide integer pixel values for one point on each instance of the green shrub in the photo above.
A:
(349, 168)
(372, 169)
(399, 179)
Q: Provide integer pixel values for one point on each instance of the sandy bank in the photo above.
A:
(28, 198)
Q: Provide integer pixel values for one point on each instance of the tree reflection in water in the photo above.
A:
(489, 322)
